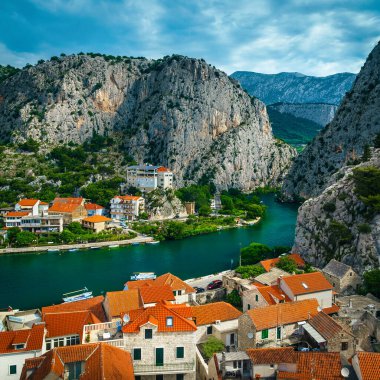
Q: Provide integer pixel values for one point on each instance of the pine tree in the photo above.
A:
(366, 153)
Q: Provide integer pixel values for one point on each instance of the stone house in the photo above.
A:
(117, 303)
(162, 343)
(325, 333)
(96, 223)
(270, 278)
(233, 282)
(342, 277)
(72, 209)
(275, 324)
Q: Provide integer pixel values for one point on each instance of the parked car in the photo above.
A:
(198, 289)
(216, 284)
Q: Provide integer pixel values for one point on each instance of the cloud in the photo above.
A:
(18, 59)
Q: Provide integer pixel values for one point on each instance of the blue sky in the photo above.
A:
(316, 37)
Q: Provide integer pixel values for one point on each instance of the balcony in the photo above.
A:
(141, 369)
(108, 332)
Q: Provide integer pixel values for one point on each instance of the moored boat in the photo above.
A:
(73, 249)
(136, 243)
(153, 242)
(113, 246)
(53, 250)
(77, 295)
(143, 276)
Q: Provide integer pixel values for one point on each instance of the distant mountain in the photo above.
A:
(295, 87)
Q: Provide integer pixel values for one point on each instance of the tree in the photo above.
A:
(254, 253)
(30, 145)
(204, 210)
(250, 271)
(67, 236)
(377, 141)
(234, 298)
(212, 346)
(76, 228)
(366, 153)
(12, 234)
(287, 264)
(174, 230)
(371, 280)
(25, 239)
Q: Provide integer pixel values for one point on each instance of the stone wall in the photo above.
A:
(211, 296)
(346, 285)
(249, 298)
(246, 326)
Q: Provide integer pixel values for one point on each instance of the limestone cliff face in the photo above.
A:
(331, 225)
(178, 112)
(355, 124)
(163, 204)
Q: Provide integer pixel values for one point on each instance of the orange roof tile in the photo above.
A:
(209, 313)
(93, 206)
(272, 355)
(43, 204)
(95, 305)
(283, 313)
(33, 338)
(27, 202)
(153, 294)
(158, 314)
(63, 207)
(325, 325)
(331, 310)
(128, 197)
(97, 219)
(270, 263)
(369, 364)
(273, 294)
(123, 301)
(138, 284)
(69, 323)
(163, 169)
(17, 213)
(307, 283)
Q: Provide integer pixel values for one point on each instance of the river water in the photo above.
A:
(34, 280)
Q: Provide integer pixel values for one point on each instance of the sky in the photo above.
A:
(314, 37)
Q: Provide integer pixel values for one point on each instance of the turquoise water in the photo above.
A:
(31, 280)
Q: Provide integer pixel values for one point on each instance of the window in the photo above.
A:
(249, 307)
(59, 342)
(74, 369)
(72, 340)
(179, 376)
(19, 346)
(137, 377)
(13, 369)
(169, 321)
(209, 330)
(264, 334)
(159, 377)
(48, 345)
(344, 346)
(257, 298)
(271, 365)
(350, 273)
(148, 333)
(180, 353)
(137, 354)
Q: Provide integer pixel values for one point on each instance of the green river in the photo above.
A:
(34, 280)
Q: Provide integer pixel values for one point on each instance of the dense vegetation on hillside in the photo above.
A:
(7, 71)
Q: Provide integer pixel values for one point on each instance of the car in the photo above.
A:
(216, 284)
(198, 289)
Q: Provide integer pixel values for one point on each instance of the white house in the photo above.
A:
(30, 205)
(126, 207)
(149, 177)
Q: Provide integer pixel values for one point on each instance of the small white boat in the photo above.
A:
(94, 247)
(153, 242)
(113, 246)
(53, 250)
(143, 276)
(77, 295)
(136, 243)
(73, 249)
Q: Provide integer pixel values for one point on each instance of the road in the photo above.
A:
(202, 282)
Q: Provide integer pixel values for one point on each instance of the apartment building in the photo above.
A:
(149, 177)
(126, 207)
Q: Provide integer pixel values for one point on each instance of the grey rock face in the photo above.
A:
(320, 113)
(163, 204)
(295, 87)
(355, 124)
(178, 112)
(315, 239)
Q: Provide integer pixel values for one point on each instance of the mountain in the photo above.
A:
(343, 222)
(176, 111)
(295, 87)
(355, 125)
(319, 113)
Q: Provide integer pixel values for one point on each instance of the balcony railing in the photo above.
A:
(166, 367)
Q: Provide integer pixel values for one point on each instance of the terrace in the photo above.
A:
(108, 332)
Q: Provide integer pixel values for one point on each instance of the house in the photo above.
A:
(126, 207)
(42, 224)
(66, 328)
(162, 342)
(225, 365)
(21, 320)
(151, 295)
(120, 302)
(275, 324)
(16, 346)
(72, 209)
(308, 285)
(90, 362)
(367, 365)
(326, 334)
(13, 218)
(342, 277)
(94, 209)
(30, 205)
(269, 278)
(96, 223)
(233, 282)
(149, 177)
(271, 263)
(182, 291)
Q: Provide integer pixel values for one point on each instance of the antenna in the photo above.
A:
(345, 372)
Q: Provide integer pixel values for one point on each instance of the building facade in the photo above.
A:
(149, 177)
(126, 207)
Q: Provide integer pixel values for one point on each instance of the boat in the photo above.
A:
(136, 243)
(53, 250)
(143, 276)
(73, 249)
(113, 246)
(77, 295)
(153, 242)
(94, 247)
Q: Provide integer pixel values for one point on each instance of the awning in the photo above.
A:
(314, 333)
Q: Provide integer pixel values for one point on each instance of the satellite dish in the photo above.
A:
(250, 335)
(126, 318)
(345, 372)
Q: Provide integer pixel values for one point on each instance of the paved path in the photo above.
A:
(202, 282)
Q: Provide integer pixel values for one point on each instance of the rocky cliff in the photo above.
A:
(354, 126)
(337, 224)
(163, 204)
(178, 112)
(295, 87)
(320, 113)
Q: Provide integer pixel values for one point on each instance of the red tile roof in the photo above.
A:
(138, 284)
(95, 305)
(102, 361)
(27, 202)
(157, 315)
(63, 207)
(43, 204)
(77, 201)
(96, 219)
(325, 325)
(153, 294)
(270, 263)
(128, 197)
(93, 206)
(307, 283)
(369, 363)
(283, 313)
(123, 301)
(163, 169)
(331, 310)
(17, 213)
(33, 338)
(273, 294)
(272, 355)
(209, 313)
(68, 323)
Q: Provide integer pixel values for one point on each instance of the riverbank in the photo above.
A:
(66, 247)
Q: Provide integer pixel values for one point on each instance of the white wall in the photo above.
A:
(17, 359)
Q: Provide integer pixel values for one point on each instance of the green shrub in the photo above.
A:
(329, 207)
(371, 282)
(364, 228)
(250, 271)
(254, 253)
(287, 264)
(234, 298)
(212, 346)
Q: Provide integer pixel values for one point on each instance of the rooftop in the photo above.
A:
(17, 213)
(128, 197)
(32, 338)
(77, 201)
(273, 294)
(63, 207)
(123, 301)
(271, 277)
(325, 325)
(97, 219)
(369, 363)
(27, 202)
(272, 355)
(336, 268)
(93, 206)
(307, 283)
(209, 313)
(153, 294)
(271, 263)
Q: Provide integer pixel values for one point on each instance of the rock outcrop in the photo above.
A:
(336, 224)
(178, 112)
(163, 204)
(355, 125)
